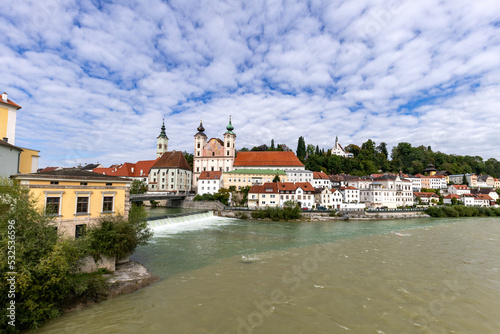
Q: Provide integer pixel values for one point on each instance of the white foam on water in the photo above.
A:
(175, 225)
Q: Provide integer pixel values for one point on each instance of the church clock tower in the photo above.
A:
(161, 142)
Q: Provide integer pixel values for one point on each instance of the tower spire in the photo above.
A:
(230, 126)
(162, 132)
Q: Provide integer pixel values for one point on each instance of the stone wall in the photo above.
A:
(89, 265)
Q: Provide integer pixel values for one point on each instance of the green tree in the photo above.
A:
(272, 145)
(138, 187)
(301, 148)
(276, 178)
(464, 180)
(189, 158)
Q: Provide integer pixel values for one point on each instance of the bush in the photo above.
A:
(117, 236)
(276, 214)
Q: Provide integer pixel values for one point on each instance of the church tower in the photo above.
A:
(229, 144)
(200, 140)
(161, 142)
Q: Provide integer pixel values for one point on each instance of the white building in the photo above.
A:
(278, 193)
(416, 182)
(170, 173)
(339, 150)
(350, 194)
(209, 182)
(329, 198)
(321, 180)
(388, 192)
(458, 189)
(299, 175)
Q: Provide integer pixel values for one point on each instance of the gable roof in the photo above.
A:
(128, 169)
(268, 187)
(425, 195)
(215, 175)
(453, 196)
(320, 175)
(11, 103)
(293, 186)
(267, 159)
(460, 186)
(174, 159)
(4, 143)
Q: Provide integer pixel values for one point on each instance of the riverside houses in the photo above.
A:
(209, 182)
(77, 198)
(240, 178)
(170, 173)
(328, 198)
(278, 193)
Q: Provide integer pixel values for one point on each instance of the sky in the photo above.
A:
(95, 79)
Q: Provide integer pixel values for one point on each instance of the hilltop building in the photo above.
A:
(339, 150)
(214, 154)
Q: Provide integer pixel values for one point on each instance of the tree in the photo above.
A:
(464, 180)
(301, 148)
(272, 145)
(276, 178)
(138, 187)
(189, 158)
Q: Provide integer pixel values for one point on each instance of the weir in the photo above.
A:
(179, 218)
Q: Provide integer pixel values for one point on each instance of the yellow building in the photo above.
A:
(77, 198)
(27, 161)
(240, 178)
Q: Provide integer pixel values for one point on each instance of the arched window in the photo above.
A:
(198, 145)
(228, 144)
(213, 153)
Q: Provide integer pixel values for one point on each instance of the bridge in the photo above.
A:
(156, 197)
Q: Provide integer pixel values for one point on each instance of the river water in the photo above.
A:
(221, 275)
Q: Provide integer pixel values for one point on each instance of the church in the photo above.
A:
(214, 154)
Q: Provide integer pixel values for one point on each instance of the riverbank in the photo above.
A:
(127, 278)
(325, 216)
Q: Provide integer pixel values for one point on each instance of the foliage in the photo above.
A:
(301, 148)
(222, 195)
(276, 178)
(138, 187)
(189, 158)
(462, 211)
(276, 214)
(45, 264)
(118, 236)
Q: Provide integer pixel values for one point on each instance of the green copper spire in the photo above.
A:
(162, 133)
(230, 127)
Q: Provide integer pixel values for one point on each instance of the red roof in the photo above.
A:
(49, 169)
(215, 175)
(419, 194)
(453, 196)
(292, 186)
(128, 169)
(9, 102)
(320, 175)
(267, 159)
(460, 186)
(174, 159)
(270, 187)
(350, 187)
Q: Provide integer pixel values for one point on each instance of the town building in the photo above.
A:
(448, 199)
(135, 171)
(486, 191)
(214, 154)
(299, 175)
(339, 150)
(350, 194)
(432, 181)
(485, 181)
(13, 159)
(76, 198)
(321, 180)
(426, 198)
(277, 160)
(458, 189)
(416, 182)
(278, 193)
(209, 182)
(387, 191)
(328, 198)
(458, 179)
(170, 173)
(240, 178)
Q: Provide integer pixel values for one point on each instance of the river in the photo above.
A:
(221, 275)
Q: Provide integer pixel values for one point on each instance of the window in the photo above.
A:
(198, 145)
(228, 145)
(52, 205)
(109, 184)
(80, 230)
(83, 183)
(198, 153)
(197, 169)
(54, 182)
(107, 204)
(213, 154)
(82, 205)
(227, 152)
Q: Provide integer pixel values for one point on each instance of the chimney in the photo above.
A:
(5, 139)
(4, 97)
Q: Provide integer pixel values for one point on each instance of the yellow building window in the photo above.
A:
(107, 204)
(52, 205)
(82, 205)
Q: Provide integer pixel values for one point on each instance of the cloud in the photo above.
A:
(95, 80)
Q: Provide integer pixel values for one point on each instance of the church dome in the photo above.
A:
(201, 129)
(230, 126)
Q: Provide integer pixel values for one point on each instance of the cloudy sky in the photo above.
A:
(96, 78)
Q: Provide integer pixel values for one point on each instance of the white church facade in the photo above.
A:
(339, 150)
